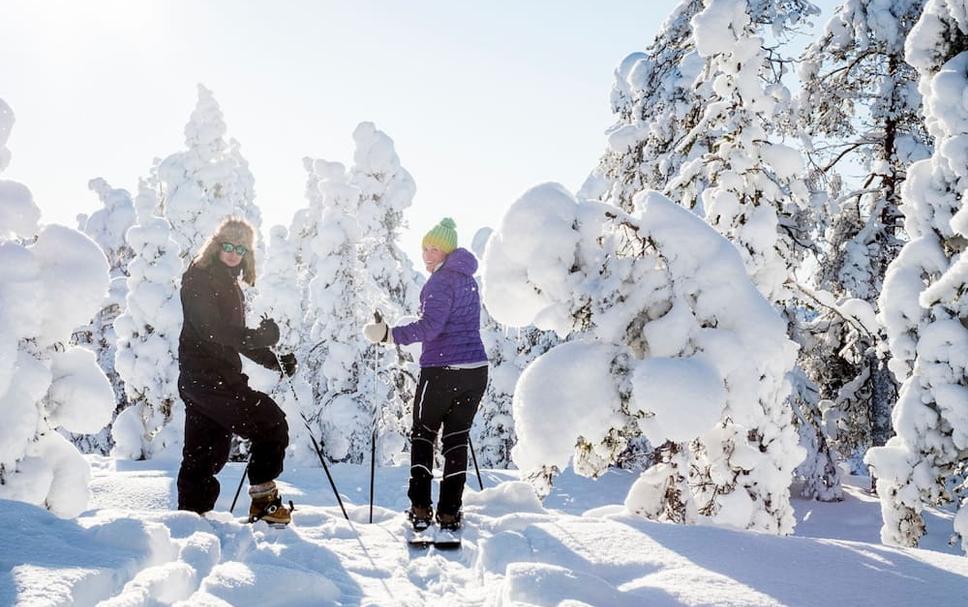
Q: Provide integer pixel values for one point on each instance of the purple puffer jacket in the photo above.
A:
(450, 315)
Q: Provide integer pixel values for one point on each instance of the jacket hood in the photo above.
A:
(461, 261)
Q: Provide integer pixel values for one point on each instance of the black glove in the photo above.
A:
(264, 337)
(289, 365)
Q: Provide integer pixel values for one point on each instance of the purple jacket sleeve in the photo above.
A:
(436, 310)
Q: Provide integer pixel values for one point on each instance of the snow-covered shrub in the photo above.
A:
(669, 339)
(107, 227)
(924, 305)
(148, 330)
(52, 280)
(509, 351)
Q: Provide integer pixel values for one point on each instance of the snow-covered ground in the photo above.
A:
(579, 548)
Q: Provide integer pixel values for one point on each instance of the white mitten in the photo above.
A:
(378, 332)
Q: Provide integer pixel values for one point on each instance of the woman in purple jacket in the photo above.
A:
(453, 373)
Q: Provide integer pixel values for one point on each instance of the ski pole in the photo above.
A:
(322, 460)
(316, 446)
(377, 318)
(372, 469)
(470, 445)
(241, 480)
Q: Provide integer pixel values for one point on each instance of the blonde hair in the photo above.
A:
(236, 231)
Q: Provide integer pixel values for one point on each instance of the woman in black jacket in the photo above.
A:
(218, 399)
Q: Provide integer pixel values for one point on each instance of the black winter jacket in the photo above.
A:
(213, 332)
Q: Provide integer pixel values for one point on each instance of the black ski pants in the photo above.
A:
(214, 411)
(448, 398)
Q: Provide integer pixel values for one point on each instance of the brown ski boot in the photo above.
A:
(267, 505)
(449, 522)
(420, 517)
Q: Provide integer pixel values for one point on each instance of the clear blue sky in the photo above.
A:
(483, 100)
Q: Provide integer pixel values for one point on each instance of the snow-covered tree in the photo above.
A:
(148, 331)
(668, 339)
(859, 102)
(699, 118)
(860, 105)
(305, 227)
(386, 192)
(107, 227)
(207, 182)
(837, 378)
(701, 107)
(509, 351)
(339, 363)
(656, 101)
(756, 192)
(348, 264)
(924, 304)
(391, 284)
(280, 297)
(52, 279)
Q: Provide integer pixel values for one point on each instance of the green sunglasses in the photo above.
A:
(228, 247)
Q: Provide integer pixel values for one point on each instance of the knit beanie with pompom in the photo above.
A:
(443, 236)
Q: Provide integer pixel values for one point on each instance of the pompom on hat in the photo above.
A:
(443, 236)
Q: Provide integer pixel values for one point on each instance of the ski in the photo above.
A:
(447, 539)
(420, 539)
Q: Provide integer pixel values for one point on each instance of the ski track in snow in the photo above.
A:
(579, 548)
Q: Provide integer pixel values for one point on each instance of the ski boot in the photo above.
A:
(421, 518)
(267, 505)
(448, 533)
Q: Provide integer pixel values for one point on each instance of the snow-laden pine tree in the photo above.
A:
(107, 227)
(305, 227)
(668, 338)
(340, 365)
(207, 182)
(924, 304)
(386, 192)
(52, 280)
(756, 193)
(859, 102)
(860, 105)
(280, 297)
(735, 170)
(301, 243)
(390, 281)
(148, 331)
(656, 101)
(702, 107)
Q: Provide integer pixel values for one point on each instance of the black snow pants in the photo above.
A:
(214, 411)
(445, 397)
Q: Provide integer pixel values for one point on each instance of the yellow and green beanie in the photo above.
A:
(443, 236)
